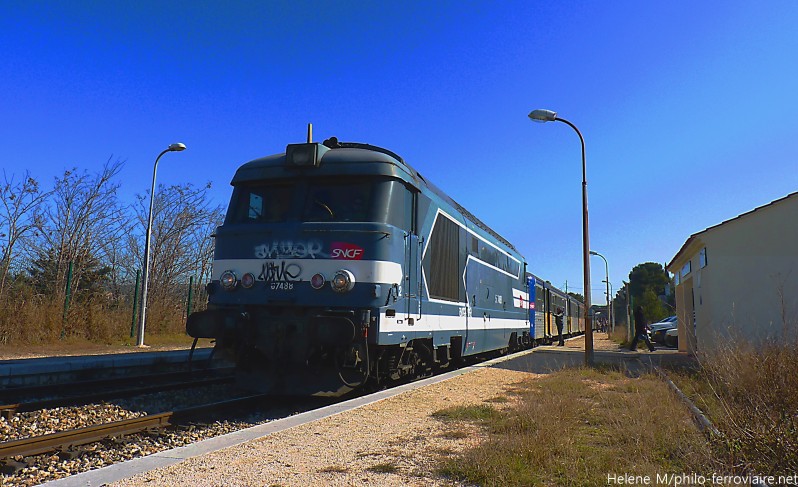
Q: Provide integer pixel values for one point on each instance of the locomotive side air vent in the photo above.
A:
(304, 155)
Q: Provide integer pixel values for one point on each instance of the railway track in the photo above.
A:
(67, 440)
(120, 388)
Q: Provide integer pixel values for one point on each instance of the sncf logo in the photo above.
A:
(345, 251)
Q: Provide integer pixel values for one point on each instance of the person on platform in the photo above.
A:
(641, 330)
(558, 320)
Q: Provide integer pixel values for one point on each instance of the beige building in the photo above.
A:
(739, 278)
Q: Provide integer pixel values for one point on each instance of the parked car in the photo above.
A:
(656, 331)
(672, 337)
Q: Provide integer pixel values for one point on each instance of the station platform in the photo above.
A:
(346, 443)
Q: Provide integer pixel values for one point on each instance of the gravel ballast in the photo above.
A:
(390, 442)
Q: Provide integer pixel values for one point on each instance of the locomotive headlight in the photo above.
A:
(228, 280)
(342, 281)
(248, 280)
(317, 281)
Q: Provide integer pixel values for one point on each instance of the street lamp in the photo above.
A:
(627, 296)
(607, 274)
(177, 147)
(550, 116)
(612, 309)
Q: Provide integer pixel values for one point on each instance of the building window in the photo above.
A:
(702, 257)
(686, 269)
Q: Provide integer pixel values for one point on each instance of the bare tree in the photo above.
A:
(116, 257)
(81, 221)
(181, 244)
(19, 217)
(82, 215)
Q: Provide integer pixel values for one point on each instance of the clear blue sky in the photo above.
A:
(689, 109)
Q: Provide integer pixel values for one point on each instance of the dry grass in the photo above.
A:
(751, 395)
(386, 467)
(576, 426)
(619, 335)
(499, 399)
(39, 320)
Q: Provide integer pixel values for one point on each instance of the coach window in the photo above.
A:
(538, 297)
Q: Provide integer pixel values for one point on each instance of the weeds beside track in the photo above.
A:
(576, 426)
(751, 395)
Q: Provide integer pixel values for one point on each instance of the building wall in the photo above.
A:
(749, 286)
(684, 312)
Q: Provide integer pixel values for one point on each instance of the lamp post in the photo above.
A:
(177, 147)
(607, 274)
(628, 298)
(612, 308)
(550, 116)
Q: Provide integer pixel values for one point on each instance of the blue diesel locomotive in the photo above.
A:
(338, 265)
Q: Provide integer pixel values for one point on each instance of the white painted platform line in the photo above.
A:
(112, 473)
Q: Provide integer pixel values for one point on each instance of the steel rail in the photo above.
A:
(37, 445)
(65, 440)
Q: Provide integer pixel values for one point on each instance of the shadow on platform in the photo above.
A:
(547, 359)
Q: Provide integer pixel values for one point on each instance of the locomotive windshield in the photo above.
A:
(317, 200)
(263, 204)
(338, 201)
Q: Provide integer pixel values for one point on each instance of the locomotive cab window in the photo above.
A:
(366, 200)
(338, 201)
(329, 200)
(263, 203)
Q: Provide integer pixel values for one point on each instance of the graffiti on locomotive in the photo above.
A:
(290, 249)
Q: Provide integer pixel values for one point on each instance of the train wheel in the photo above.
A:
(425, 359)
(353, 365)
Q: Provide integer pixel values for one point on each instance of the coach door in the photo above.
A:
(547, 325)
(530, 289)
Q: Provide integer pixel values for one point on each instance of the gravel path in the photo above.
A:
(392, 442)
(600, 342)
